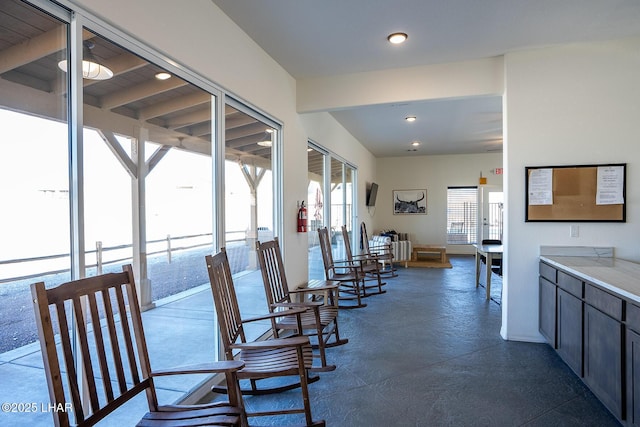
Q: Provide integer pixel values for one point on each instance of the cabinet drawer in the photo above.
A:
(548, 272)
(633, 317)
(603, 301)
(570, 284)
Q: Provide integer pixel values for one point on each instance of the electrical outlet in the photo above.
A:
(574, 231)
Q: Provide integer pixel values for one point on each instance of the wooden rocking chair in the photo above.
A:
(319, 320)
(263, 359)
(348, 274)
(369, 266)
(117, 369)
(382, 252)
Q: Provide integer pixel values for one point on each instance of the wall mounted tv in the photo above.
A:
(372, 194)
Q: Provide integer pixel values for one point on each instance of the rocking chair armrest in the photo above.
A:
(365, 257)
(328, 287)
(349, 265)
(307, 305)
(201, 368)
(294, 341)
(274, 315)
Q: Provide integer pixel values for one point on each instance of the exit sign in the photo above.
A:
(498, 171)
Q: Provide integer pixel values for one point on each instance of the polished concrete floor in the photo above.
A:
(429, 353)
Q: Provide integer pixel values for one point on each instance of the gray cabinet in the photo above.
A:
(547, 311)
(633, 377)
(603, 358)
(569, 324)
(632, 364)
(586, 326)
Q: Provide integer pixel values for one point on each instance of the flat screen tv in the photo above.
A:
(372, 194)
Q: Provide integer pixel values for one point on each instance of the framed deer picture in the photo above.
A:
(409, 202)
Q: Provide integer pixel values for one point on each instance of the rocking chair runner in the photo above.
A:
(348, 274)
(263, 359)
(319, 320)
(368, 264)
(118, 368)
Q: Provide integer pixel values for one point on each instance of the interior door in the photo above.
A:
(490, 207)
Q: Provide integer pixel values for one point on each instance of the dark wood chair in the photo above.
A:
(347, 274)
(283, 357)
(382, 252)
(320, 320)
(369, 267)
(114, 358)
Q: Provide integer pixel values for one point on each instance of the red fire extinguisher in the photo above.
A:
(302, 218)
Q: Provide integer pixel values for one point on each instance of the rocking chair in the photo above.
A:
(382, 252)
(348, 274)
(369, 266)
(118, 368)
(319, 319)
(270, 358)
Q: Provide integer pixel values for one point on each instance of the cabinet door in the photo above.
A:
(569, 332)
(547, 311)
(603, 358)
(633, 378)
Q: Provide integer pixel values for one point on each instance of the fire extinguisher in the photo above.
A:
(302, 218)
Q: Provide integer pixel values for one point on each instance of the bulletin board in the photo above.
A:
(576, 193)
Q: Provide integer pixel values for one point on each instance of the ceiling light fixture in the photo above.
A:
(397, 38)
(266, 141)
(415, 143)
(163, 75)
(410, 118)
(91, 68)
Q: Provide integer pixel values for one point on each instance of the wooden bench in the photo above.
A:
(440, 251)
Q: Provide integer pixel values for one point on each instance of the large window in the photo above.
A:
(316, 209)
(249, 144)
(331, 200)
(108, 161)
(462, 215)
(34, 167)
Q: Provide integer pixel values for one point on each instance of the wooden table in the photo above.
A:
(490, 252)
(441, 251)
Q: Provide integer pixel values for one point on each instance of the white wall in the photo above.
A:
(435, 173)
(199, 36)
(577, 104)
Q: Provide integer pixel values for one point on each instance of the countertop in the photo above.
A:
(617, 275)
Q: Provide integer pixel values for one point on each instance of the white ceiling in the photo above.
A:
(333, 37)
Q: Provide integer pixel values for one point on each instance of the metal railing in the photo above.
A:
(165, 246)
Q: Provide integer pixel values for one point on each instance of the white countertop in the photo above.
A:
(619, 276)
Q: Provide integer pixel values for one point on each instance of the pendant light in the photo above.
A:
(92, 69)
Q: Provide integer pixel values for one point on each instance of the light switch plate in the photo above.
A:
(574, 231)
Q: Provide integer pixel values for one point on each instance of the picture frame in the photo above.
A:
(410, 202)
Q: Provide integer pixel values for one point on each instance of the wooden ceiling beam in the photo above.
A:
(138, 92)
(234, 120)
(254, 128)
(38, 47)
(188, 119)
(173, 105)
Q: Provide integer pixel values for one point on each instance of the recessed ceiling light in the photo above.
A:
(163, 75)
(410, 118)
(397, 38)
(415, 143)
